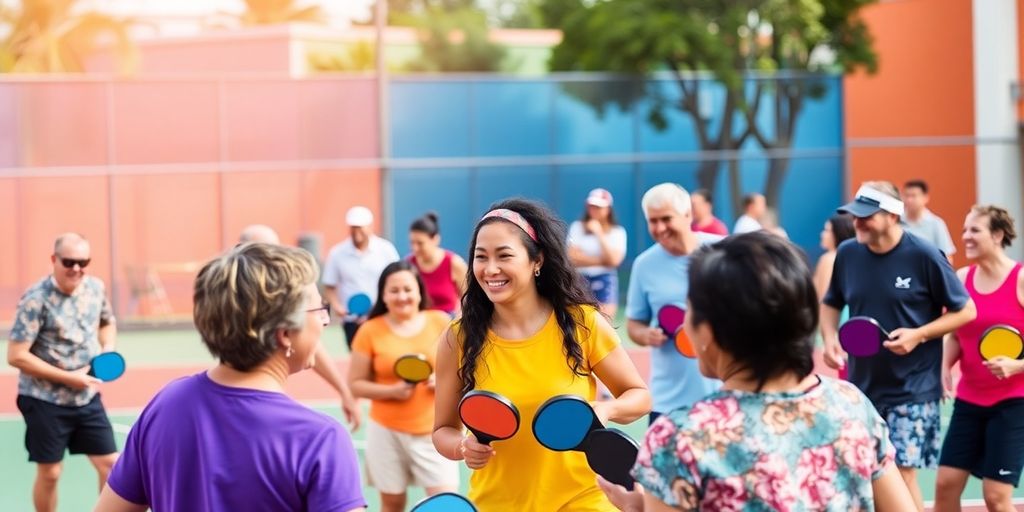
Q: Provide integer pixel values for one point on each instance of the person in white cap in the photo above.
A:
(597, 245)
(906, 284)
(354, 266)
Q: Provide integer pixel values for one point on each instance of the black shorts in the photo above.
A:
(987, 441)
(51, 428)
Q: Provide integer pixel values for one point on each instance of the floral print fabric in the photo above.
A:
(740, 451)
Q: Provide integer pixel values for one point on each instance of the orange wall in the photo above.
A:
(168, 223)
(924, 88)
(924, 85)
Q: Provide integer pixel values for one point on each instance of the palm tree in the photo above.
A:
(46, 37)
(272, 12)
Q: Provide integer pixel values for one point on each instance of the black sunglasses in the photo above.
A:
(70, 262)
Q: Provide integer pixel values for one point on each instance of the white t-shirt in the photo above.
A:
(746, 224)
(591, 246)
(931, 228)
(352, 271)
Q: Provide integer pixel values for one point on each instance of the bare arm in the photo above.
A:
(459, 270)
(905, 340)
(447, 425)
(18, 356)
(891, 493)
(828, 321)
(643, 334)
(823, 273)
(360, 378)
(616, 370)
(325, 368)
(107, 336)
(332, 298)
(582, 259)
(110, 502)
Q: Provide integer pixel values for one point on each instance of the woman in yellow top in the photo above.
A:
(530, 330)
(401, 414)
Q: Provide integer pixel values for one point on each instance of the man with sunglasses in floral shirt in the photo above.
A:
(62, 322)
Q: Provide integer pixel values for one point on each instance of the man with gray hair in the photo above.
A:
(659, 278)
(324, 365)
(62, 322)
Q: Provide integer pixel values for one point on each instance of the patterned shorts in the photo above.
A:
(605, 287)
(914, 432)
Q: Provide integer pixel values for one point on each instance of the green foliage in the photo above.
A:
(46, 36)
(761, 51)
(454, 41)
(361, 56)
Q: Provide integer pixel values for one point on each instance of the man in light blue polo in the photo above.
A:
(659, 278)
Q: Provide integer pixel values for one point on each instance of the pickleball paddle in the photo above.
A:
(489, 416)
(611, 453)
(670, 319)
(445, 502)
(107, 366)
(1001, 340)
(862, 336)
(359, 304)
(413, 368)
(563, 422)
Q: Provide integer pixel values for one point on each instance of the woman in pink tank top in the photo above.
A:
(986, 433)
(443, 272)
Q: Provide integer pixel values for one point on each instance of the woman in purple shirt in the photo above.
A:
(229, 438)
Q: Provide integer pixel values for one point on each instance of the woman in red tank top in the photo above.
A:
(986, 433)
(443, 272)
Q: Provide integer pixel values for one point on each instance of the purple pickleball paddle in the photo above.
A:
(862, 336)
(670, 319)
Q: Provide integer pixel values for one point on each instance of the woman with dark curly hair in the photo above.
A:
(529, 331)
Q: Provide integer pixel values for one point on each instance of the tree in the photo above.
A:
(763, 52)
(456, 41)
(46, 36)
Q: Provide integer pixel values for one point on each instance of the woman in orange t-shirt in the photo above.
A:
(401, 414)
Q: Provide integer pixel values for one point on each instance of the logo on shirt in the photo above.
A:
(1003, 472)
(903, 283)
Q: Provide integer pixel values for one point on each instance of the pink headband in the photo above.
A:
(514, 218)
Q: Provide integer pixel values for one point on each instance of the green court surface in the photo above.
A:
(77, 489)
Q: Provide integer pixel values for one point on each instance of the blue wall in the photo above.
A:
(509, 137)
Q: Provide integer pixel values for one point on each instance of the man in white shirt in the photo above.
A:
(919, 220)
(754, 206)
(354, 266)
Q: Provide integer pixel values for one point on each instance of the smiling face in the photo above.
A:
(870, 230)
(402, 294)
(501, 263)
(979, 240)
(68, 279)
(667, 226)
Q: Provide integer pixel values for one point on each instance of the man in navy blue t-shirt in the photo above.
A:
(904, 283)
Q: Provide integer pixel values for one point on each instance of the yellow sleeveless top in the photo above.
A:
(523, 476)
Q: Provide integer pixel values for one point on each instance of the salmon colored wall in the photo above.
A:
(181, 187)
(42, 208)
(924, 88)
(948, 171)
(924, 85)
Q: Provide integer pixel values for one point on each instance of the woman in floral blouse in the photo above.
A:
(776, 436)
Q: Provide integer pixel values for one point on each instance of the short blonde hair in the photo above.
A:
(242, 297)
